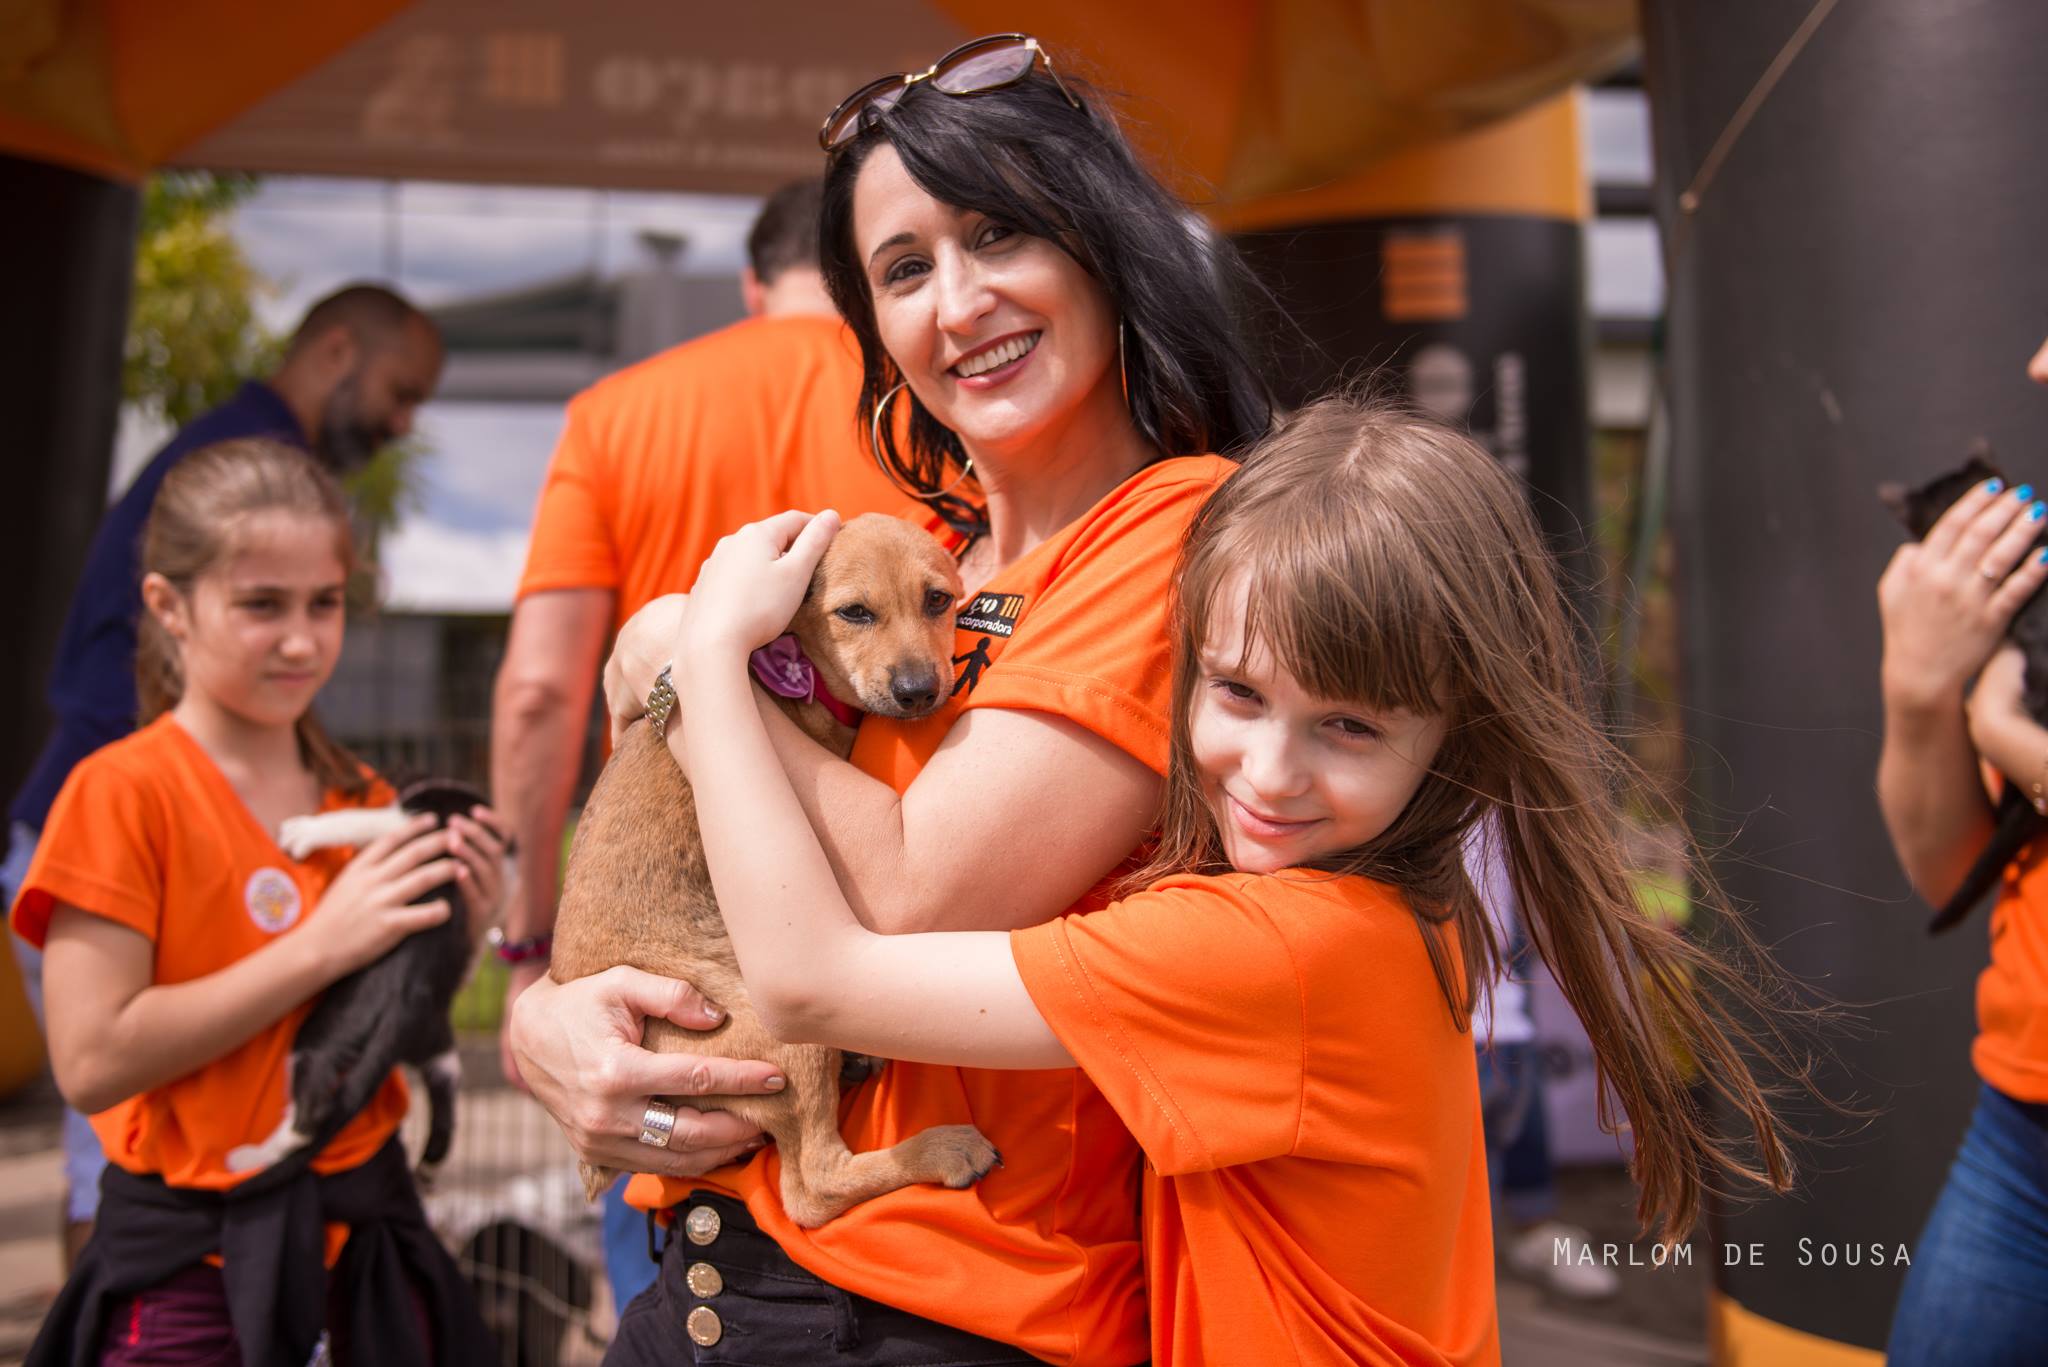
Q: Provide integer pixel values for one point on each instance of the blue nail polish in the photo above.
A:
(2037, 512)
(2024, 492)
(1992, 486)
(2043, 556)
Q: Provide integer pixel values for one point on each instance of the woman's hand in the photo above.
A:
(578, 1047)
(367, 907)
(645, 645)
(479, 842)
(1945, 601)
(751, 585)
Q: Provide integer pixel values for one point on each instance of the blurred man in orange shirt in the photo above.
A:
(655, 464)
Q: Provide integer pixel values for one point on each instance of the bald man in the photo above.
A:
(358, 367)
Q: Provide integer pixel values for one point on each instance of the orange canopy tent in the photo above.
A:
(1239, 98)
(1244, 97)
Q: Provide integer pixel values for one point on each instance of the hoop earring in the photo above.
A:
(888, 471)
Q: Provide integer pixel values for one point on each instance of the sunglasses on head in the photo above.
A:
(971, 69)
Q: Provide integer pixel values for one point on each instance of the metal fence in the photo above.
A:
(412, 699)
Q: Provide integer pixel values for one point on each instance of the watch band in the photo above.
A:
(661, 700)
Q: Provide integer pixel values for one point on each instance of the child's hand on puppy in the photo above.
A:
(368, 907)
(751, 586)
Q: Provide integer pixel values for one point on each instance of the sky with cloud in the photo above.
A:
(462, 549)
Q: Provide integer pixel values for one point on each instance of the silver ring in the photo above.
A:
(657, 1124)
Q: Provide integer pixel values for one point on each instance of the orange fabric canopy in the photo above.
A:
(120, 86)
(1242, 98)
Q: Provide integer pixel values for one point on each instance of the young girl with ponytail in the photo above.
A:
(183, 948)
(1371, 657)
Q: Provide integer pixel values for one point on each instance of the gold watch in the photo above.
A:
(661, 700)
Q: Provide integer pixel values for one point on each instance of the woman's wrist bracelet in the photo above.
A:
(2040, 786)
(519, 951)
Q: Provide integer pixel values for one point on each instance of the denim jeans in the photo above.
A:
(1977, 1292)
(626, 1265)
(83, 1157)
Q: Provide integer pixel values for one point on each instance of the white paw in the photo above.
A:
(284, 1140)
(248, 1158)
(298, 836)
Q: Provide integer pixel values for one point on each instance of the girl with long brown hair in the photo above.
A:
(1371, 655)
(183, 948)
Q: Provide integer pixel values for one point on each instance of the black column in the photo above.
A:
(67, 251)
(1853, 300)
(1479, 318)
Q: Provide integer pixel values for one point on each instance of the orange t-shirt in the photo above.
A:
(1316, 1186)
(2011, 1049)
(150, 834)
(1043, 1252)
(660, 460)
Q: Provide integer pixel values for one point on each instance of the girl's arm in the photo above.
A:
(813, 971)
(1001, 782)
(1945, 603)
(115, 1032)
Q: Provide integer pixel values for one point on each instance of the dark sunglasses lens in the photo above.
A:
(984, 69)
(880, 96)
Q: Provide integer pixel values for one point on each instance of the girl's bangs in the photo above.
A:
(1332, 608)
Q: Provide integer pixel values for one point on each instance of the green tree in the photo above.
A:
(194, 337)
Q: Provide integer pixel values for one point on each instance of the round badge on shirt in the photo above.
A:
(272, 898)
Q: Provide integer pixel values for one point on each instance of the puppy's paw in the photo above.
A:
(958, 1155)
(285, 1140)
(298, 836)
(248, 1158)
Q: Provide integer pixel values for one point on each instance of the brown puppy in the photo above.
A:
(877, 625)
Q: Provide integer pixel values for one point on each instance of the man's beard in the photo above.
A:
(346, 441)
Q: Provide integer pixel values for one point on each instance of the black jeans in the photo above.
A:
(762, 1310)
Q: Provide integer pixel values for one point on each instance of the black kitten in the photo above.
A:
(2018, 822)
(393, 1011)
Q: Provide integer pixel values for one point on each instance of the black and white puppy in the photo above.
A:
(393, 1011)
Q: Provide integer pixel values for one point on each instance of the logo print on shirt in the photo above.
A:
(971, 664)
(272, 898)
(992, 614)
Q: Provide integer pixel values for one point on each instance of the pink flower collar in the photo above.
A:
(784, 670)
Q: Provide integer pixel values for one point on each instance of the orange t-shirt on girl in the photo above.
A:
(1315, 1188)
(149, 834)
(1043, 1252)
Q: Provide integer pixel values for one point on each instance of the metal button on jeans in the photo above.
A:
(703, 1326)
(704, 1280)
(701, 1224)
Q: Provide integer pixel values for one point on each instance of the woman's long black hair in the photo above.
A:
(1028, 159)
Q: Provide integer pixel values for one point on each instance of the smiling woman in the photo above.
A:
(1050, 361)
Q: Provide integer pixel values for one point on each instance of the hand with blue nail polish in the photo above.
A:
(1946, 601)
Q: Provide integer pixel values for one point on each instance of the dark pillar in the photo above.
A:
(1853, 300)
(67, 249)
(1455, 274)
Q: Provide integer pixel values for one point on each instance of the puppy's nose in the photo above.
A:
(915, 692)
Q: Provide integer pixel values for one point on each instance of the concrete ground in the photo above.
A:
(511, 1164)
